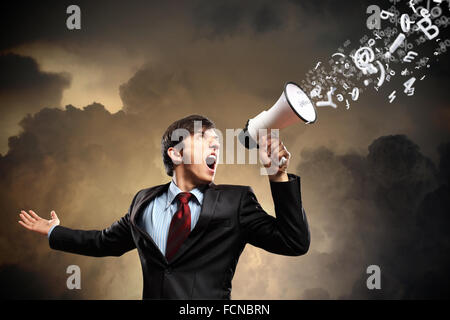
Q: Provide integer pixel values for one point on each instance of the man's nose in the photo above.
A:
(214, 144)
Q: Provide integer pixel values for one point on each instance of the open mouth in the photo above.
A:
(211, 161)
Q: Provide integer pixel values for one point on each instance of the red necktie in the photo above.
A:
(180, 226)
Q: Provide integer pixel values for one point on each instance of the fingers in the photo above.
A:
(284, 153)
(273, 150)
(283, 165)
(263, 151)
(25, 225)
(280, 150)
(34, 215)
(274, 156)
(265, 158)
(27, 218)
(53, 215)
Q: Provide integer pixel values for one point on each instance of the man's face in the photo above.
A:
(200, 155)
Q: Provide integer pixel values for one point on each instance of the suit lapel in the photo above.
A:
(143, 202)
(138, 209)
(210, 197)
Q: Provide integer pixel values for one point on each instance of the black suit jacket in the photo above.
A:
(204, 266)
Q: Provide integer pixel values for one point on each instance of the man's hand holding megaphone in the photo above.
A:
(293, 106)
(271, 152)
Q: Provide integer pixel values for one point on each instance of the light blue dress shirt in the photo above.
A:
(157, 216)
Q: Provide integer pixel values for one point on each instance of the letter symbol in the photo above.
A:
(374, 281)
(392, 96)
(397, 42)
(410, 56)
(382, 74)
(386, 14)
(74, 20)
(363, 58)
(74, 281)
(429, 26)
(373, 21)
(328, 103)
(355, 94)
(409, 90)
(405, 22)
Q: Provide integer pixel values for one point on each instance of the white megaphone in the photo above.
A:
(293, 105)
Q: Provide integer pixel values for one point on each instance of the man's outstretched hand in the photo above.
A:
(35, 223)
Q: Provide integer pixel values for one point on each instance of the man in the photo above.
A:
(190, 232)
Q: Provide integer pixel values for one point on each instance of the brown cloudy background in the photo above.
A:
(82, 113)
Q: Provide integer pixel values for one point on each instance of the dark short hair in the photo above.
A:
(184, 123)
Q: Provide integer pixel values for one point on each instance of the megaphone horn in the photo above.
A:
(292, 106)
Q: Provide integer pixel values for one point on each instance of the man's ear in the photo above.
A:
(175, 155)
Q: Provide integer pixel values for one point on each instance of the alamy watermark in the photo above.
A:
(374, 280)
(73, 21)
(74, 280)
(235, 152)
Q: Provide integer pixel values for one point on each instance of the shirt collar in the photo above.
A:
(174, 191)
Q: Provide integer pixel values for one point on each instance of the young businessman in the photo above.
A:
(190, 232)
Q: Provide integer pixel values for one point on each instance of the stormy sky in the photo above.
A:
(82, 113)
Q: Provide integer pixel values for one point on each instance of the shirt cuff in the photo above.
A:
(291, 177)
(50, 231)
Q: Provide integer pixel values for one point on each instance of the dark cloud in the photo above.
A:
(390, 209)
(225, 18)
(24, 88)
(107, 20)
(268, 17)
(400, 173)
(324, 20)
(23, 73)
(155, 89)
(28, 21)
(331, 7)
(444, 162)
(102, 22)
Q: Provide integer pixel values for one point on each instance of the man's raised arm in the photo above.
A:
(288, 233)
